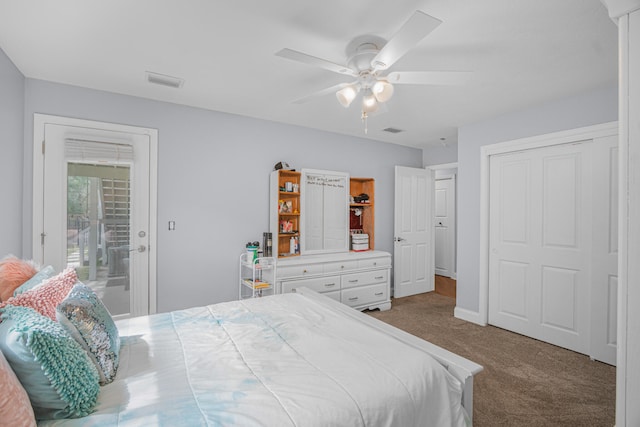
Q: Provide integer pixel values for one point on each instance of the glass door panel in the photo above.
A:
(98, 230)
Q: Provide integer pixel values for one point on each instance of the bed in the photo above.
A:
(286, 360)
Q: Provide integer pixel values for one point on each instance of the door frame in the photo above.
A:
(39, 122)
(454, 238)
(540, 141)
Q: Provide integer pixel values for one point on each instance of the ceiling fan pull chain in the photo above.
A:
(364, 120)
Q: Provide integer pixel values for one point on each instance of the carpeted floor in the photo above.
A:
(525, 382)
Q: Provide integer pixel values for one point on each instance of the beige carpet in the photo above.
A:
(525, 382)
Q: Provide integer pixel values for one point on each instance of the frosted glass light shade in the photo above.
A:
(383, 91)
(369, 103)
(346, 95)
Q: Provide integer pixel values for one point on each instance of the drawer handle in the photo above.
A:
(342, 266)
(353, 298)
(353, 281)
(375, 263)
(304, 271)
(328, 285)
(378, 293)
(379, 277)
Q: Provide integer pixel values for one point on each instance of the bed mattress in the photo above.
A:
(284, 360)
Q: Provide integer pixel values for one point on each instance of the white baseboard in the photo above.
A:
(468, 315)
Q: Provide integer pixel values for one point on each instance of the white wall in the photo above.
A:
(11, 140)
(213, 177)
(599, 106)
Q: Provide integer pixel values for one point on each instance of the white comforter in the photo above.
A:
(286, 360)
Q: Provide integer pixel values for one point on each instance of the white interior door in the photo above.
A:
(93, 210)
(444, 226)
(604, 295)
(548, 276)
(413, 232)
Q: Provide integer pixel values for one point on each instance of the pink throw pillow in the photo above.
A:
(45, 298)
(15, 407)
(13, 273)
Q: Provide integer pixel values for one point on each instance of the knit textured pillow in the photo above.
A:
(88, 321)
(42, 275)
(46, 297)
(13, 273)
(15, 407)
(55, 371)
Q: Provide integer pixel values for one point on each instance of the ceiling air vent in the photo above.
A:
(161, 79)
(393, 130)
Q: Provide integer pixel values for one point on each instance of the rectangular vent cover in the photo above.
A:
(161, 79)
(393, 130)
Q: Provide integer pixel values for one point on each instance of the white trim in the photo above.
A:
(468, 315)
(546, 140)
(618, 8)
(39, 122)
(443, 166)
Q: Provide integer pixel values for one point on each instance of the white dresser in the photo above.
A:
(361, 280)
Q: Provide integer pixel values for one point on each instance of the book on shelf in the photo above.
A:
(257, 285)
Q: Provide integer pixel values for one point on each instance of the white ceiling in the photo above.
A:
(521, 53)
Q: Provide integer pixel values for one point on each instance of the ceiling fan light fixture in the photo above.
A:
(369, 103)
(346, 95)
(382, 90)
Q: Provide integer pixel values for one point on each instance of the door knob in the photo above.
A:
(140, 248)
(398, 239)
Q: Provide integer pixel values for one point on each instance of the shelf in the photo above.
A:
(257, 286)
(288, 214)
(289, 193)
(258, 266)
(287, 255)
(288, 234)
(366, 220)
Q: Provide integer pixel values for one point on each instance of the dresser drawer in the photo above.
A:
(340, 266)
(364, 278)
(318, 284)
(365, 295)
(299, 270)
(374, 262)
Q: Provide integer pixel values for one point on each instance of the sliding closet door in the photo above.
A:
(553, 244)
(540, 244)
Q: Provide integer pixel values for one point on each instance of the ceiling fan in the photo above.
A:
(369, 57)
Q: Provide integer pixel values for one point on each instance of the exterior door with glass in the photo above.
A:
(95, 215)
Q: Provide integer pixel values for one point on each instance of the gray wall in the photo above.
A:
(213, 172)
(592, 108)
(11, 159)
(440, 155)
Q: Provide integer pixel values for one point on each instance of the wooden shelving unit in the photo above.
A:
(365, 221)
(284, 215)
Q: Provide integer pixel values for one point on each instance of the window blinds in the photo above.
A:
(84, 150)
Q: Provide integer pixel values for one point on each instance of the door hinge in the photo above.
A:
(42, 238)
(43, 147)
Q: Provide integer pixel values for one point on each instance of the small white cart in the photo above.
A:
(257, 277)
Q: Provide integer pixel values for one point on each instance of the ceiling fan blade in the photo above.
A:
(444, 78)
(323, 92)
(415, 29)
(294, 55)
